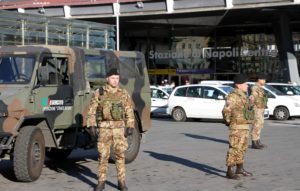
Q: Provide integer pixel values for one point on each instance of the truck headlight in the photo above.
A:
(297, 104)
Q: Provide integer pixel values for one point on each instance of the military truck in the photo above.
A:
(45, 92)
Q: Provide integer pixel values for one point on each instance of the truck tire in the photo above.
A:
(29, 154)
(132, 151)
(134, 142)
(58, 154)
(281, 113)
(178, 114)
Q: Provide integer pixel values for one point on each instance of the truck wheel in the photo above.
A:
(178, 114)
(29, 154)
(134, 142)
(58, 154)
(281, 113)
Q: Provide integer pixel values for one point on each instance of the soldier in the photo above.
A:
(259, 100)
(111, 111)
(237, 116)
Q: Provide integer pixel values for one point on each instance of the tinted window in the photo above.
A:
(194, 92)
(180, 92)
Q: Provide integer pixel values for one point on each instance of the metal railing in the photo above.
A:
(27, 29)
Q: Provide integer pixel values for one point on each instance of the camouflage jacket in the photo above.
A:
(258, 97)
(113, 109)
(233, 111)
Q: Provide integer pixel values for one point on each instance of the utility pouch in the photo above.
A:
(117, 111)
(248, 112)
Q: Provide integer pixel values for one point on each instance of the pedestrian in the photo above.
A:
(259, 101)
(111, 112)
(237, 116)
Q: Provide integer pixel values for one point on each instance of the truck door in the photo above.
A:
(54, 97)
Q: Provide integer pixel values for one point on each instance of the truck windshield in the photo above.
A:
(16, 69)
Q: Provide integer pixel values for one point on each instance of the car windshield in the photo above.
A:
(226, 89)
(16, 69)
(274, 90)
(295, 90)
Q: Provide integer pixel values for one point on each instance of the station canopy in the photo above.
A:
(26, 29)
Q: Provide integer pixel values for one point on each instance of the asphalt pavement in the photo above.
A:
(176, 156)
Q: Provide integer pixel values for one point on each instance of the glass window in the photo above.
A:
(95, 66)
(212, 93)
(180, 92)
(156, 93)
(16, 69)
(194, 92)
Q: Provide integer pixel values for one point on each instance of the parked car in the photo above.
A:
(159, 100)
(287, 89)
(280, 105)
(197, 101)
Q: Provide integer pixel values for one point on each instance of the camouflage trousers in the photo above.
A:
(238, 144)
(115, 137)
(257, 124)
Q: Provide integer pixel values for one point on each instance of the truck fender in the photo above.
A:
(41, 122)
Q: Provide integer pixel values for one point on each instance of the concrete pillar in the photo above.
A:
(288, 62)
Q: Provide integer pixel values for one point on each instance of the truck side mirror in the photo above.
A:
(43, 75)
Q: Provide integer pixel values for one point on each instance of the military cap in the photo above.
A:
(262, 76)
(240, 79)
(112, 71)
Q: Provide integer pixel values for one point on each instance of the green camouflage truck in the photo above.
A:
(45, 92)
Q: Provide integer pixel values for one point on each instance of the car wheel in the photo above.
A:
(281, 113)
(178, 114)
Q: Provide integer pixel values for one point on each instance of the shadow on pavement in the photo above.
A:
(186, 162)
(206, 138)
(7, 171)
(74, 168)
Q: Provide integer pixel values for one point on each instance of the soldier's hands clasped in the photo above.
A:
(128, 132)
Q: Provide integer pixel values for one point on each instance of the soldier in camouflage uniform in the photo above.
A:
(236, 116)
(258, 99)
(111, 110)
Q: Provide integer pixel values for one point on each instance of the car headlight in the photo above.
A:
(297, 104)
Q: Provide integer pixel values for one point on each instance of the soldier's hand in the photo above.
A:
(93, 133)
(128, 132)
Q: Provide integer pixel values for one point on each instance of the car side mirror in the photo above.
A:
(165, 97)
(289, 93)
(220, 97)
(43, 75)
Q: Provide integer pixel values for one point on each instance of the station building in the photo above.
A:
(193, 40)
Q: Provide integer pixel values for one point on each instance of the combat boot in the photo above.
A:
(260, 144)
(100, 186)
(230, 173)
(255, 145)
(240, 170)
(122, 186)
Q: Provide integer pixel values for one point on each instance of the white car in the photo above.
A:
(197, 101)
(159, 100)
(280, 106)
(287, 89)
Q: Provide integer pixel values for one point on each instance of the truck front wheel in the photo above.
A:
(29, 154)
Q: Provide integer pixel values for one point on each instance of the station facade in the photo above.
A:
(193, 40)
